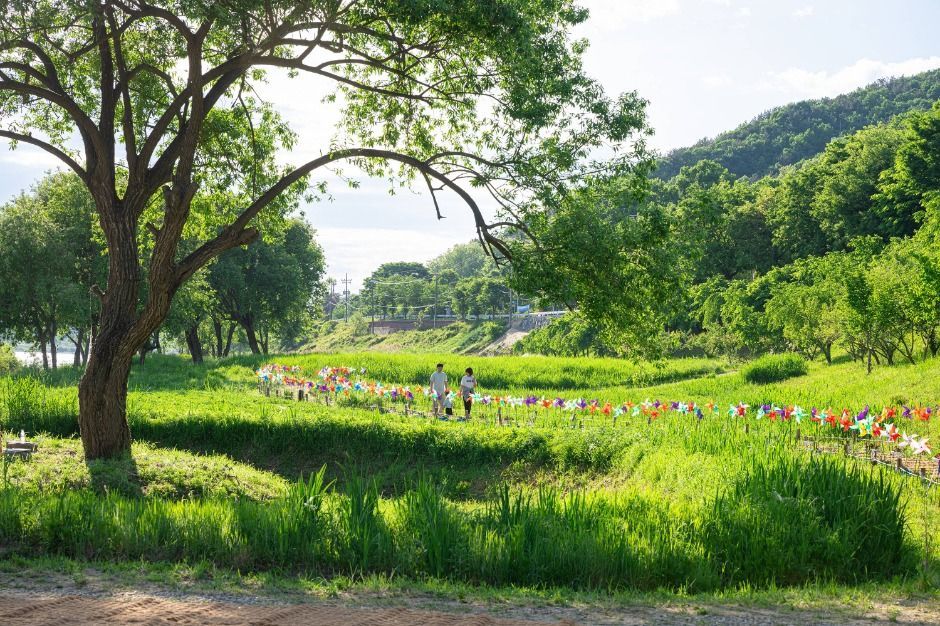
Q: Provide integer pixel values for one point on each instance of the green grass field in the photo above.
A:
(223, 474)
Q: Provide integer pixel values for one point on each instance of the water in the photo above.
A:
(26, 357)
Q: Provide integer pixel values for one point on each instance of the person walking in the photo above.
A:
(439, 389)
(467, 385)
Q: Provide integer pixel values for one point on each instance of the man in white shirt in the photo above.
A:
(439, 389)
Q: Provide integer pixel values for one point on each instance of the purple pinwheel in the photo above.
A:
(862, 415)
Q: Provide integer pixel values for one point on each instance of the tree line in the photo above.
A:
(53, 258)
(841, 250)
(462, 282)
(789, 134)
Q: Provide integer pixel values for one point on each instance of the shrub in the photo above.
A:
(773, 368)
(8, 361)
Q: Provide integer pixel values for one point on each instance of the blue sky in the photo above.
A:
(704, 65)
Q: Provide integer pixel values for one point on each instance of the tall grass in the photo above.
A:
(773, 527)
(772, 368)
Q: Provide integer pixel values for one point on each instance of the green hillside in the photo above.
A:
(791, 133)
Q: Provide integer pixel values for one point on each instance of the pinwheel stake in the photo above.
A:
(798, 435)
(747, 428)
(848, 448)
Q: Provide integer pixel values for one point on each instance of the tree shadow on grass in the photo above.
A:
(118, 475)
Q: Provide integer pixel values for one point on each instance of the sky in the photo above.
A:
(705, 66)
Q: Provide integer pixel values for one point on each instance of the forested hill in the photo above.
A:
(794, 132)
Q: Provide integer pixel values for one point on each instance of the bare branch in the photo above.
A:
(234, 234)
(59, 154)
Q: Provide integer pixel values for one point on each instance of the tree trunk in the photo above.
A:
(249, 327)
(217, 329)
(45, 355)
(86, 346)
(194, 344)
(79, 341)
(228, 339)
(102, 400)
(52, 347)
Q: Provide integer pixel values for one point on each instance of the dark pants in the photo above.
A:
(467, 403)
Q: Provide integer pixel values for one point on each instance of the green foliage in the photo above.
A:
(569, 335)
(270, 287)
(625, 282)
(8, 362)
(794, 132)
(50, 256)
(773, 368)
(465, 260)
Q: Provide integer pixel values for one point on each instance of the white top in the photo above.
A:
(439, 382)
(467, 384)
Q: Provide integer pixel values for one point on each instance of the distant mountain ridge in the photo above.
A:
(791, 133)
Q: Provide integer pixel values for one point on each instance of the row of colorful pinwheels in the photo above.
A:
(864, 423)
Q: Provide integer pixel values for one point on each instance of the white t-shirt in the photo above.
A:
(439, 382)
(467, 384)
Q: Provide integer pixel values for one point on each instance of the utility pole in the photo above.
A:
(372, 294)
(346, 282)
(510, 308)
(434, 323)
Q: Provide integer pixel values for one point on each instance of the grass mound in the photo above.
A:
(773, 368)
(149, 471)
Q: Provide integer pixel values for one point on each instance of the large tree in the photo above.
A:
(471, 97)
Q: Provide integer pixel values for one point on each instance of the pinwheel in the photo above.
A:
(920, 446)
(798, 414)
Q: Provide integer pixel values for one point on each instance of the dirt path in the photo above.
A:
(31, 597)
(27, 607)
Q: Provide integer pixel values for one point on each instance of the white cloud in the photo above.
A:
(744, 12)
(613, 14)
(806, 11)
(801, 83)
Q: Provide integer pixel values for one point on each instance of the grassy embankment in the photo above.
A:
(459, 338)
(674, 504)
